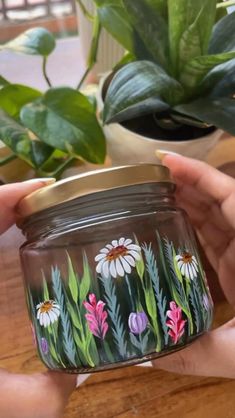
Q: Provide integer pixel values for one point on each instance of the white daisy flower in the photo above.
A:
(117, 258)
(187, 264)
(47, 312)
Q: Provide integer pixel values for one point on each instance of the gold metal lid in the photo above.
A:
(91, 182)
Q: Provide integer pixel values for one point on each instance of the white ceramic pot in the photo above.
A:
(127, 147)
(109, 53)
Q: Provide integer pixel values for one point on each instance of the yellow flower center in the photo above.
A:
(117, 252)
(46, 306)
(187, 258)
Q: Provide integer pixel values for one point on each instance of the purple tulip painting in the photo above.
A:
(137, 322)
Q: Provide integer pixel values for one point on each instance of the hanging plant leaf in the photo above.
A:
(3, 82)
(65, 119)
(14, 96)
(35, 41)
(16, 137)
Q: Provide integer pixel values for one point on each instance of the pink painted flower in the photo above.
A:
(96, 317)
(175, 323)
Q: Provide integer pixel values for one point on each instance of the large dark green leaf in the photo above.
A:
(36, 41)
(139, 87)
(215, 76)
(14, 96)
(151, 27)
(196, 69)
(219, 112)
(16, 137)
(116, 21)
(65, 119)
(183, 14)
(218, 108)
(223, 36)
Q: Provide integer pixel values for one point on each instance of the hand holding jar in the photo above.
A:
(38, 395)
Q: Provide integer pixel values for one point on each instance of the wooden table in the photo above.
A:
(126, 393)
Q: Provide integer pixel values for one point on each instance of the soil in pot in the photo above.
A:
(146, 126)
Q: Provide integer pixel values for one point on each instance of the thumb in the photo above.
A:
(11, 194)
(212, 355)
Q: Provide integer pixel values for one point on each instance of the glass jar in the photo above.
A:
(112, 271)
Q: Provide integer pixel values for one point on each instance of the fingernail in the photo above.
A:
(45, 180)
(161, 153)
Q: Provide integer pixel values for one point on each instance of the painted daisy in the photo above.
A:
(117, 258)
(187, 264)
(47, 312)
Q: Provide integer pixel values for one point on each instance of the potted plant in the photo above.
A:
(45, 132)
(174, 89)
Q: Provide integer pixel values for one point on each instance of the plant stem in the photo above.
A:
(8, 159)
(44, 63)
(58, 170)
(84, 10)
(225, 4)
(92, 58)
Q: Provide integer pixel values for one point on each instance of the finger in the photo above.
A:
(211, 355)
(38, 395)
(11, 194)
(204, 178)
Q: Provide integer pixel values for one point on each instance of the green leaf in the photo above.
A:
(45, 290)
(65, 119)
(35, 41)
(223, 36)
(73, 315)
(116, 21)
(14, 96)
(86, 280)
(183, 14)
(196, 69)
(140, 87)
(16, 137)
(219, 112)
(151, 28)
(3, 82)
(215, 75)
(73, 281)
(158, 6)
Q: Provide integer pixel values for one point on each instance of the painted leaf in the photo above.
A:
(35, 41)
(152, 269)
(14, 96)
(16, 137)
(76, 131)
(73, 280)
(151, 28)
(68, 342)
(223, 35)
(133, 85)
(86, 280)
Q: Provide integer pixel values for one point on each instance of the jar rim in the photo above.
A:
(91, 182)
